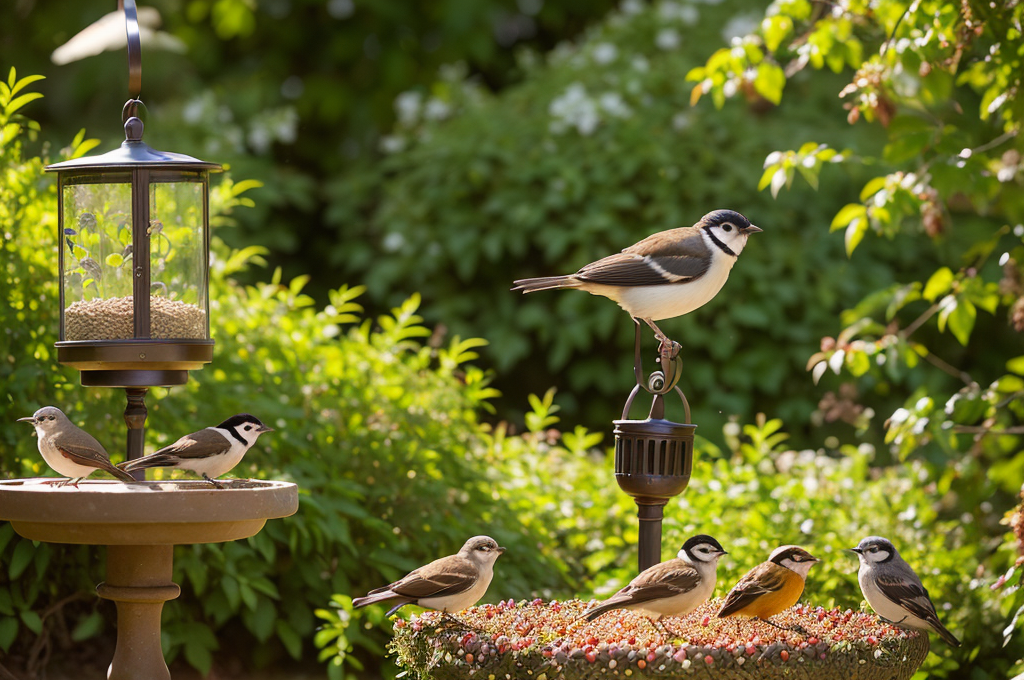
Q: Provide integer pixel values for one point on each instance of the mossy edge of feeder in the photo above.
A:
(546, 640)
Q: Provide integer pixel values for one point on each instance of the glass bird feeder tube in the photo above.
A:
(134, 264)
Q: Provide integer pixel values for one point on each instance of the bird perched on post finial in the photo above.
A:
(68, 449)
(893, 589)
(667, 274)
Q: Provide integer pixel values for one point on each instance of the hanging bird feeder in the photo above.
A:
(654, 456)
(134, 240)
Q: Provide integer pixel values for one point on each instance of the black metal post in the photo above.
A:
(135, 418)
(650, 511)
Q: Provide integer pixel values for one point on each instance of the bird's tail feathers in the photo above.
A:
(943, 633)
(382, 596)
(150, 461)
(546, 283)
(607, 606)
(119, 473)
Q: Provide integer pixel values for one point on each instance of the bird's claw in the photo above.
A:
(215, 483)
(668, 350)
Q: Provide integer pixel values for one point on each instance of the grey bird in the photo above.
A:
(68, 449)
(671, 588)
(894, 591)
(667, 274)
(449, 584)
(210, 452)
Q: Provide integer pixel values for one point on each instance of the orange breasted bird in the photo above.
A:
(771, 587)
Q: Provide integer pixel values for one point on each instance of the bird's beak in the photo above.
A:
(752, 229)
(501, 550)
(264, 428)
(855, 550)
(723, 552)
(27, 419)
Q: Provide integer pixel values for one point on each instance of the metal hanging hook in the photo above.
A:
(131, 20)
(660, 382)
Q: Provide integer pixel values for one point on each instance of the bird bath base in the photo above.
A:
(549, 641)
(140, 524)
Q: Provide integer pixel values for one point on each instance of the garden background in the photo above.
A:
(394, 166)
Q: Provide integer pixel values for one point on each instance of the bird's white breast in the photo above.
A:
(665, 301)
(681, 604)
(220, 463)
(56, 460)
(467, 598)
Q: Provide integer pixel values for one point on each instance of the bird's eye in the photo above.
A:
(727, 227)
(52, 417)
(248, 427)
(873, 549)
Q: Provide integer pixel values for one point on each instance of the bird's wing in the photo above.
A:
(447, 576)
(196, 445)
(84, 454)
(909, 595)
(661, 581)
(668, 257)
(763, 579)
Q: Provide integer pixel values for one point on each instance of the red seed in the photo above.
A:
(469, 658)
(812, 640)
(708, 660)
(751, 649)
(641, 664)
(706, 621)
(872, 640)
(784, 655)
(651, 657)
(591, 656)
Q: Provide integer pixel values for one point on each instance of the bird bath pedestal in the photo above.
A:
(140, 524)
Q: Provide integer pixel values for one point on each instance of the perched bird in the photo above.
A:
(449, 584)
(671, 588)
(68, 449)
(893, 589)
(209, 452)
(771, 587)
(668, 274)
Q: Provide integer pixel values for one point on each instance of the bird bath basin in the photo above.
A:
(140, 524)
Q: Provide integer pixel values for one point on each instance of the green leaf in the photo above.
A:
(1016, 365)
(19, 102)
(8, 632)
(114, 260)
(846, 214)
(961, 320)
(939, 284)
(769, 81)
(23, 553)
(872, 187)
(32, 621)
(88, 627)
(289, 638)
(855, 233)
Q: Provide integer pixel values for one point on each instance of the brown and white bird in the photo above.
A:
(666, 275)
(210, 452)
(893, 589)
(449, 584)
(68, 449)
(671, 588)
(771, 587)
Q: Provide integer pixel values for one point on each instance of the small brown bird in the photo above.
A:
(667, 274)
(68, 449)
(671, 588)
(449, 584)
(771, 587)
